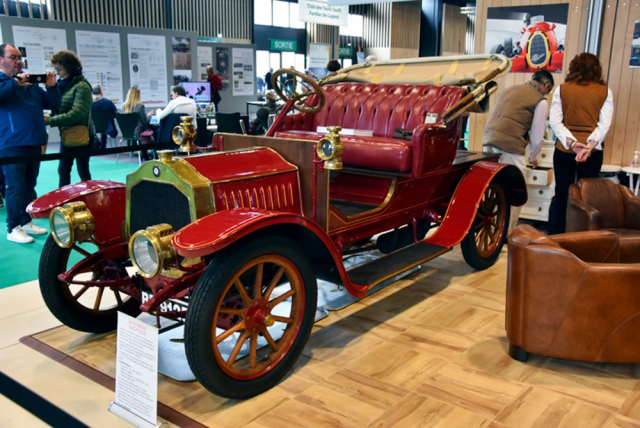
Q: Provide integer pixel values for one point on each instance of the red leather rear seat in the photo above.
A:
(381, 109)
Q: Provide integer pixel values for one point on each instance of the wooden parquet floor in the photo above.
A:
(427, 351)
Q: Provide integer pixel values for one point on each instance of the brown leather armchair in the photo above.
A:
(568, 297)
(601, 204)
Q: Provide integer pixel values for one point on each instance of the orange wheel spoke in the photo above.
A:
(118, 298)
(243, 292)
(253, 351)
(270, 340)
(96, 305)
(257, 286)
(236, 349)
(282, 298)
(231, 311)
(81, 292)
(273, 283)
(236, 327)
(282, 319)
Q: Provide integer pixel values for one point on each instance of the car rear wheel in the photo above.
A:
(483, 243)
(250, 316)
(80, 306)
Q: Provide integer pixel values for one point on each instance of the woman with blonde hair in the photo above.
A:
(132, 104)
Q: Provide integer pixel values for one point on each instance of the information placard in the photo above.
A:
(100, 56)
(148, 67)
(136, 371)
(243, 71)
(36, 46)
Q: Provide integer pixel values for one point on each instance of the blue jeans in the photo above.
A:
(20, 180)
(82, 162)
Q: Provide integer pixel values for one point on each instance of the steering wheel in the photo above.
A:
(299, 89)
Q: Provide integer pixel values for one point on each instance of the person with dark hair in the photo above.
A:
(517, 120)
(333, 66)
(22, 134)
(75, 109)
(179, 103)
(216, 86)
(267, 79)
(100, 103)
(580, 116)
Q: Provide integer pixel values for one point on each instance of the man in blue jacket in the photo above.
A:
(22, 133)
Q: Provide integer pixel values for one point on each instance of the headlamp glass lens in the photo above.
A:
(61, 228)
(145, 255)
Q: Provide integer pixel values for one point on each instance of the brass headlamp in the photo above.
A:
(184, 135)
(150, 248)
(71, 223)
(330, 148)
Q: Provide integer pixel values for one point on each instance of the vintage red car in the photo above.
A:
(240, 236)
(537, 49)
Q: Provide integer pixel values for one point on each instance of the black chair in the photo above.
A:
(101, 118)
(128, 124)
(203, 139)
(166, 127)
(228, 122)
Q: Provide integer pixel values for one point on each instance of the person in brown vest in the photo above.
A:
(580, 116)
(517, 119)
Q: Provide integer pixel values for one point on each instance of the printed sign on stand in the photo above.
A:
(136, 398)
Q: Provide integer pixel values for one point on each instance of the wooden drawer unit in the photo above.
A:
(539, 177)
(536, 209)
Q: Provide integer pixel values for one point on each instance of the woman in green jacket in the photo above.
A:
(74, 110)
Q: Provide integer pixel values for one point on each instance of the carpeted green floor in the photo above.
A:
(19, 262)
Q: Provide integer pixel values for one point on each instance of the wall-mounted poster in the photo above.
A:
(148, 67)
(532, 36)
(222, 67)
(100, 56)
(181, 59)
(36, 46)
(634, 62)
(243, 71)
(205, 56)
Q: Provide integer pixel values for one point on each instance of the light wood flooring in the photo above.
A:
(427, 351)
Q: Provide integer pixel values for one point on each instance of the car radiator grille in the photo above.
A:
(154, 203)
(537, 49)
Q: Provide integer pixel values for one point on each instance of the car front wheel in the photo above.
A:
(250, 316)
(483, 243)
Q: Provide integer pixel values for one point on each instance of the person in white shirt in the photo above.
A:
(580, 116)
(179, 104)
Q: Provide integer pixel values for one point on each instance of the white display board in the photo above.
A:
(148, 67)
(136, 372)
(101, 63)
(319, 54)
(320, 12)
(243, 78)
(205, 57)
(37, 45)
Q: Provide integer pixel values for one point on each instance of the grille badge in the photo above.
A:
(156, 170)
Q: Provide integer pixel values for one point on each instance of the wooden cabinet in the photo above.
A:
(540, 185)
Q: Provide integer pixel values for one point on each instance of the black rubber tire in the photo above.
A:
(61, 303)
(497, 49)
(493, 198)
(508, 47)
(203, 304)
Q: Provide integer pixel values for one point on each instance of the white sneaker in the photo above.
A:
(32, 229)
(18, 235)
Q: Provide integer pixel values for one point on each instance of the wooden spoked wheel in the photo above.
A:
(483, 243)
(298, 87)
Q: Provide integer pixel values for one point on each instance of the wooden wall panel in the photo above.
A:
(454, 30)
(615, 50)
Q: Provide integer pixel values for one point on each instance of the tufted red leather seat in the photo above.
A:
(382, 109)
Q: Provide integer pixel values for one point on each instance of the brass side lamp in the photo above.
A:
(330, 149)
(185, 134)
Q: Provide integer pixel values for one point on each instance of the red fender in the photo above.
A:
(216, 231)
(105, 199)
(465, 201)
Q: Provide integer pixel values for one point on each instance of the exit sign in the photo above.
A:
(283, 45)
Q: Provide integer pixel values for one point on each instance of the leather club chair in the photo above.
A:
(601, 204)
(569, 297)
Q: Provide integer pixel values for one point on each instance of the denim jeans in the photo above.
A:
(82, 162)
(20, 181)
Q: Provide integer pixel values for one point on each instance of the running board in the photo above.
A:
(372, 273)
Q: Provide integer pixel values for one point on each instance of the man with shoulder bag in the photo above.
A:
(22, 134)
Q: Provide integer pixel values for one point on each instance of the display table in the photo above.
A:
(631, 171)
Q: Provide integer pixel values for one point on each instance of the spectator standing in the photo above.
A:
(132, 104)
(580, 116)
(517, 119)
(22, 133)
(75, 109)
(333, 66)
(100, 103)
(179, 104)
(267, 79)
(216, 86)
